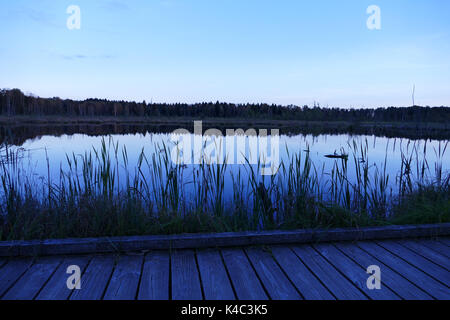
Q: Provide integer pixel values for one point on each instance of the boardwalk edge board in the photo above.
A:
(230, 239)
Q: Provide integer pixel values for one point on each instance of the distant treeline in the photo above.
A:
(14, 102)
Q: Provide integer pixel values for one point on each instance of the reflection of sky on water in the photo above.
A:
(378, 148)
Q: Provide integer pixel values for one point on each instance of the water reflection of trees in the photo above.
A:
(18, 134)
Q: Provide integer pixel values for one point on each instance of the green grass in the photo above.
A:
(429, 205)
(91, 200)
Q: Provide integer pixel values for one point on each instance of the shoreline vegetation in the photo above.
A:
(152, 197)
(24, 127)
(15, 103)
(33, 116)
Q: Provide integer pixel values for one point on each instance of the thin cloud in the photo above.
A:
(84, 57)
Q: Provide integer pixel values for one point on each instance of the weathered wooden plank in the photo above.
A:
(216, 284)
(328, 275)
(12, 271)
(428, 267)
(390, 278)
(243, 277)
(56, 288)
(411, 269)
(414, 275)
(95, 279)
(196, 241)
(426, 252)
(436, 246)
(274, 280)
(2, 263)
(445, 241)
(353, 272)
(185, 278)
(125, 278)
(33, 280)
(305, 281)
(155, 277)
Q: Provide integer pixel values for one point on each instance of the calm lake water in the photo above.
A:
(38, 152)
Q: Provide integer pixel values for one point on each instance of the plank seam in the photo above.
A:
(228, 274)
(418, 253)
(314, 274)
(18, 278)
(257, 275)
(199, 275)
(362, 266)
(287, 276)
(398, 272)
(170, 275)
(410, 263)
(45, 283)
(140, 277)
(82, 274)
(430, 247)
(444, 243)
(342, 274)
(109, 279)
(3, 263)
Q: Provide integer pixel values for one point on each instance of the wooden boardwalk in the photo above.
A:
(410, 269)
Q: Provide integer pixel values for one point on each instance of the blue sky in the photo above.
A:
(285, 51)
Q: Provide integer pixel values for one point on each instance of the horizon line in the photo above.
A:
(30, 94)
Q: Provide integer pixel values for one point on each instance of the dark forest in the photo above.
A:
(15, 102)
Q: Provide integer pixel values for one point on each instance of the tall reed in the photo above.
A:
(100, 194)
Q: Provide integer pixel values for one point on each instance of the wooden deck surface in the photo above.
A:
(410, 269)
